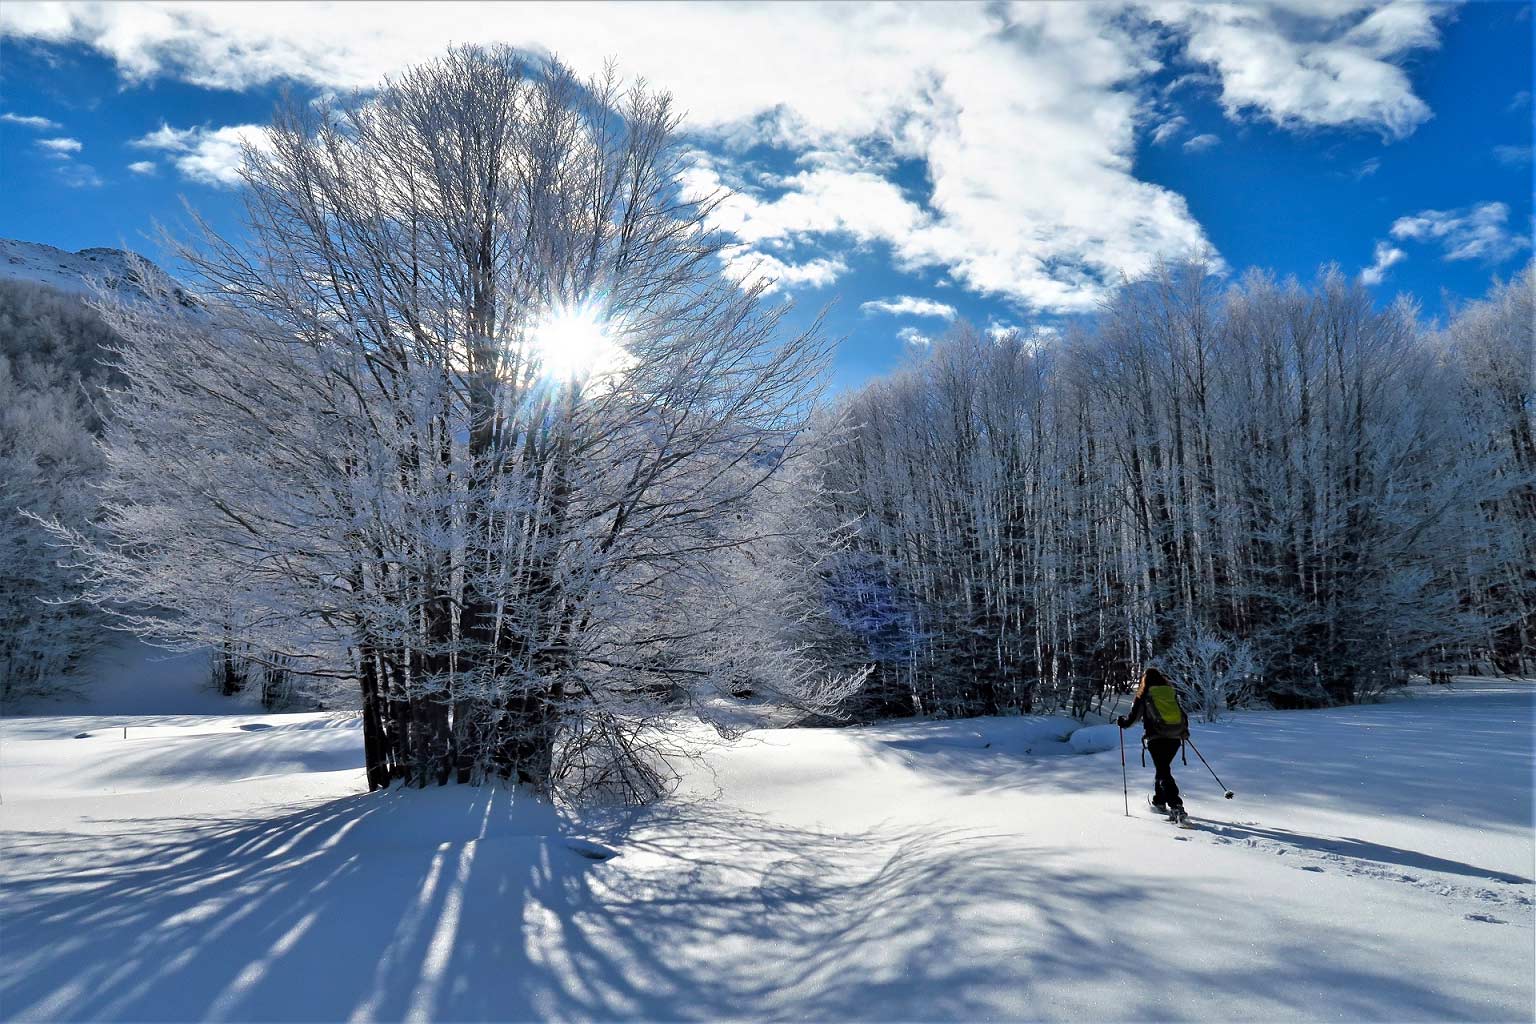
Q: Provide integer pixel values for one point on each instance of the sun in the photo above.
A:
(575, 343)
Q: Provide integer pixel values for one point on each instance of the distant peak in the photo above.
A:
(120, 270)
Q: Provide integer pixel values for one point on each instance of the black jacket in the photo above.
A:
(1137, 713)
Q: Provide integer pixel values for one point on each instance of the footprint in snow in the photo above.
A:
(1486, 919)
(1316, 869)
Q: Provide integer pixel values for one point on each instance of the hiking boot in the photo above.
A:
(1178, 817)
(1161, 808)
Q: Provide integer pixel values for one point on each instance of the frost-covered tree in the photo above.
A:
(1290, 467)
(960, 490)
(1489, 347)
(1213, 673)
(358, 443)
(52, 368)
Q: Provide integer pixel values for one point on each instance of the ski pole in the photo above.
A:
(1228, 793)
(1125, 787)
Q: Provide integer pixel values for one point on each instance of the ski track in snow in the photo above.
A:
(1376, 865)
(1499, 888)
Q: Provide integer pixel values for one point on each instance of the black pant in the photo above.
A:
(1165, 790)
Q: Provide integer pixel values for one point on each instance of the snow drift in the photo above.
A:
(1093, 739)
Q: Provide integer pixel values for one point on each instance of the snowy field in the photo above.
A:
(1377, 864)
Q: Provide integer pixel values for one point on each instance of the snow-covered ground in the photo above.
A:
(1376, 864)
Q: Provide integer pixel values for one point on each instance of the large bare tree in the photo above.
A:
(358, 449)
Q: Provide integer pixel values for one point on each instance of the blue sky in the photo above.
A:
(1001, 163)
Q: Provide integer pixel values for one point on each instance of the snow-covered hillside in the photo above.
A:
(1376, 865)
(116, 269)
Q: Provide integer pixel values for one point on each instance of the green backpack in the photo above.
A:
(1165, 718)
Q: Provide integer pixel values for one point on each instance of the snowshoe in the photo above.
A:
(1162, 809)
(1181, 819)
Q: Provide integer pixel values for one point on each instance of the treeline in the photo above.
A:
(54, 363)
(58, 361)
(1274, 490)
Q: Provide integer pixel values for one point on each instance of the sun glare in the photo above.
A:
(576, 343)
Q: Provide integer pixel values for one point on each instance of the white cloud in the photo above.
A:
(1032, 196)
(26, 121)
(1366, 169)
(143, 167)
(70, 171)
(211, 156)
(1472, 233)
(750, 268)
(1387, 255)
(913, 336)
(1512, 156)
(64, 148)
(166, 137)
(908, 305)
(1200, 143)
(819, 201)
(1314, 63)
(77, 175)
(1165, 132)
(1022, 117)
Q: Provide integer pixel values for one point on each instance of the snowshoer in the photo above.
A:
(1165, 727)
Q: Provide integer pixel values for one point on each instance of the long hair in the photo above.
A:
(1151, 677)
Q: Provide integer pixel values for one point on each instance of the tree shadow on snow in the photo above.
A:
(461, 904)
(1464, 759)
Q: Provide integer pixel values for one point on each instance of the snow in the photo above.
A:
(129, 677)
(1376, 865)
(1095, 739)
(118, 269)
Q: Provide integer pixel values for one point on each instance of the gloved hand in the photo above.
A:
(1123, 722)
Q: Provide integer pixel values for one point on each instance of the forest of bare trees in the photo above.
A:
(1279, 491)
(350, 465)
(53, 366)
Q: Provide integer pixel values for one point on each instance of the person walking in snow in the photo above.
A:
(1165, 727)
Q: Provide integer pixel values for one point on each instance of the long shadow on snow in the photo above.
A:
(453, 904)
(1465, 758)
(1358, 849)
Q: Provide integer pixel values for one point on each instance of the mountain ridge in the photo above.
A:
(122, 271)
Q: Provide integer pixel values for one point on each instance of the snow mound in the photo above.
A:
(1094, 739)
(1036, 729)
(1029, 734)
